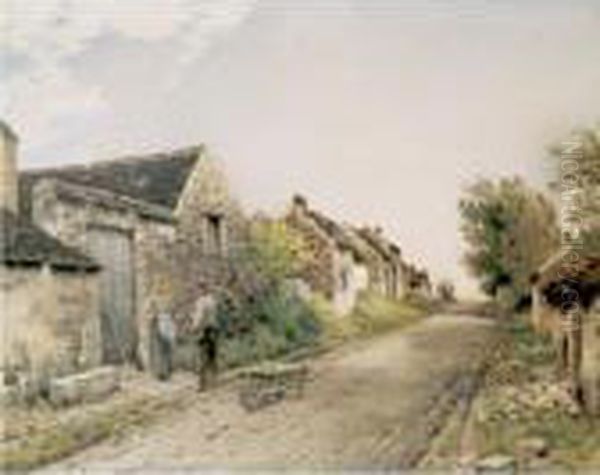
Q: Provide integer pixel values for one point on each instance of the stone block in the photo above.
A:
(91, 386)
(497, 464)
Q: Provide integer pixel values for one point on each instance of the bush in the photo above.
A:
(276, 323)
(530, 347)
(261, 314)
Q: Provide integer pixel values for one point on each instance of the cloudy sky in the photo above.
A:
(378, 110)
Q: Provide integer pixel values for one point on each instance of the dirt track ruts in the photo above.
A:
(368, 405)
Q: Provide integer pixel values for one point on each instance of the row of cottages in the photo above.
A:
(345, 261)
(566, 306)
(110, 244)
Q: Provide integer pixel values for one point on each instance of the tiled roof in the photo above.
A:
(586, 268)
(341, 235)
(23, 244)
(158, 179)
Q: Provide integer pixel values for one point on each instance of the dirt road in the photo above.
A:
(369, 405)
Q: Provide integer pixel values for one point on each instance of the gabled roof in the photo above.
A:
(386, 249)
(74, 193)
(6, 129)
(558, 274)
(415, 276)
(555, 269)
(23, 244)
(340, 234)
(158, 178)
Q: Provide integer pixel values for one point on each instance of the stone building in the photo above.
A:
(48, 290)
(337, 266)
(387, 267)
(566, 305)
(160, 225)
(417, 281)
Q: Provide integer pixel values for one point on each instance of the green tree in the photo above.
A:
(261, 311)
(274, 250)
(509, 230)
(576, 180)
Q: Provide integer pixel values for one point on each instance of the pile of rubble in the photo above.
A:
(89, 386)
(527, 401)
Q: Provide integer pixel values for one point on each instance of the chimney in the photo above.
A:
(8, 168)
(299, 205)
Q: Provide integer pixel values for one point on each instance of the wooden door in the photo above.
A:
(113, 249)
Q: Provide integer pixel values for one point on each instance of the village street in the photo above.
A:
(369, 404)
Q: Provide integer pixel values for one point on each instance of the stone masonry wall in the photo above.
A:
(152, 242)
(352, 279)
(175, 253)
(200, 268)
(49, 322)
(319, 271)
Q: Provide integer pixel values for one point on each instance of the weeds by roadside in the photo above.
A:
(526, 413)
(42, 435)
(372, 315)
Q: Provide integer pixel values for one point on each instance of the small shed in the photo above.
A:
(566, 305)
(49, 323)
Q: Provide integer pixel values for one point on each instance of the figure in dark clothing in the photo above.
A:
(208, 355)
(207, 333)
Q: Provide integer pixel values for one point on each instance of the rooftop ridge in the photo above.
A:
(124, 159)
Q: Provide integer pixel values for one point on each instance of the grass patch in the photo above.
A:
(372, 315)
(528, 347)
(53, 442)
(517, 403)
(291, 327)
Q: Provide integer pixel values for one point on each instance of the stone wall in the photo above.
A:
(330, 270)
(400, 287)
(170, 246)
(319, 270)
(50, 323)
(71, 220)
(352, 279)
(202, 265)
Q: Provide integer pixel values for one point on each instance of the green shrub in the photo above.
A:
(531, 348)
(276, 323)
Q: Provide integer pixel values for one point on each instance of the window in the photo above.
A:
(214, 234)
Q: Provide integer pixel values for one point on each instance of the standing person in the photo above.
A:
(208, 342)
(166, 335)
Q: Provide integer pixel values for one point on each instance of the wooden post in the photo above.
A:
(590, 362)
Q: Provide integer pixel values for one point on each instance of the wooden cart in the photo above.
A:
(270, 383)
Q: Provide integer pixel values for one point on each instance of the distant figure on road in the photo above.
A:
(207, 335)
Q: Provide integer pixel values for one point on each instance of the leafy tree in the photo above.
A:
(275, 251)
(510, 230)
(577, 180)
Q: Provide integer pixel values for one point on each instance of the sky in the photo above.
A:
(379, 111)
